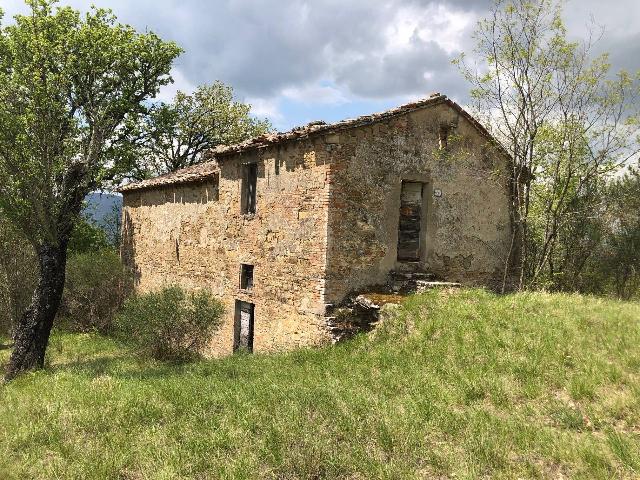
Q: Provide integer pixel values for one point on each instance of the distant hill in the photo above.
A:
(100, 206)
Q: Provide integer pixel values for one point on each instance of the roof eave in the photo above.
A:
(304, 133)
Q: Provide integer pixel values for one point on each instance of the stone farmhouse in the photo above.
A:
(285, 227)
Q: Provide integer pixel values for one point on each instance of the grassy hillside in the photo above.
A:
(465, 385)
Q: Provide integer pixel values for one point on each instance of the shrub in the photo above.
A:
(88, 237)
(96, 287)
(170, 324)
(18, 275)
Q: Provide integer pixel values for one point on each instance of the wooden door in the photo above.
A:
(409, 240)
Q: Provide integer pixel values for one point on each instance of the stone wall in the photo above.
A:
(466, 228)
(326, 222)
(195, 235)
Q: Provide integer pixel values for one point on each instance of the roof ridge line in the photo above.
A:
(210, 166)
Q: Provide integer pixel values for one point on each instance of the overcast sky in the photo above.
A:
(301, 60)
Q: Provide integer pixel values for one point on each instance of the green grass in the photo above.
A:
(462, 385)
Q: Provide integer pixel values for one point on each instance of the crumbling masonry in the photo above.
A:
(285, 226)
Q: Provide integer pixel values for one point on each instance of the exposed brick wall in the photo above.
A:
(326, 222)
(285, 240)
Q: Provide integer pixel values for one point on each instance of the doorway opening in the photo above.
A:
(410, 224)
(243, 326)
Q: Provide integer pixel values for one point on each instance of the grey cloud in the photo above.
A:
(266, 49)
(261, 47)
(625, 53)
(264, 46)
(423, 68)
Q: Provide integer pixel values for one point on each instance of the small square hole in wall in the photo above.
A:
(246, 276)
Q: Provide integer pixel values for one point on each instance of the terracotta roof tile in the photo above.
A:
(184, 175)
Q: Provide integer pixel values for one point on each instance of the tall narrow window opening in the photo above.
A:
(444, 136)
(249, 184)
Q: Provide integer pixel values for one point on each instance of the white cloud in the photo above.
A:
(330, 53)
(445, 26)
(316, 93)
(180, 83)
(13, 7)
(261, 108)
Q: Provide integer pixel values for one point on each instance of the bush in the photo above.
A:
(88, 237)
(96, 287)
(170, 324)
(18, 276)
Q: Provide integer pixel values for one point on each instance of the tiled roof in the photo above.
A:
(209, 168)
(184, 175)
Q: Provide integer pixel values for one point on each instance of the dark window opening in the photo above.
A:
(246, 277)
(444, 136)
(243, 326)
(277, 166)
(249, 188)
(177, 250)
(213, 189)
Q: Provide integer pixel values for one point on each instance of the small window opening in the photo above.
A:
(246, 277)
(177, 250)
(249, 188)
(444, 136)
(277, 166)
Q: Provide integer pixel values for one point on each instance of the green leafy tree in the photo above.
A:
(614, 264)
(599, 251)
(68, 83)
(112, 226)
(172, 136)
(623, 246)
(88, 237)
(567, 123)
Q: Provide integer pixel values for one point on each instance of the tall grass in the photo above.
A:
(461, 384)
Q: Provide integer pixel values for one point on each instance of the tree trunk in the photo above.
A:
(32, 332)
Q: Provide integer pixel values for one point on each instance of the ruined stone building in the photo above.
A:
(285, 226)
